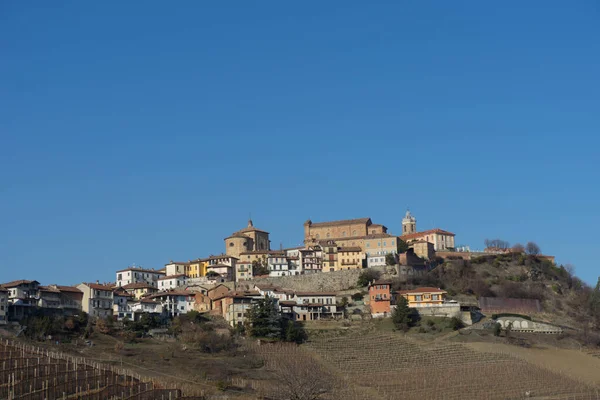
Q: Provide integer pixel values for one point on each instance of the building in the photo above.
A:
(139, 289)
(172, 281)
(350, 258)
(197, 268)
(145, 306)
(294, 260)
(176, 267)
(70, 298)
(243, 270)
(277, 263)
(342, 229)
(175, 302)
(138, 275)
(233, 307)
(376, 261)
(311, 306)
(380, 298)
(22, 292)
(3, 306)
(311, 259)
(442, 240)
(422, 249)
(247, 239)
(423, 296)
(122, 302)
(48, 297)
(97, 300)
(330, 255)
(378, 244)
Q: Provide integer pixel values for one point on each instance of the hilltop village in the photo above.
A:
(228, 284)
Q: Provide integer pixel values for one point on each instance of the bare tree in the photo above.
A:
(532, 248)
(299, 377)
(518, 248)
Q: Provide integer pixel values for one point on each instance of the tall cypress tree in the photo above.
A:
(264, 319)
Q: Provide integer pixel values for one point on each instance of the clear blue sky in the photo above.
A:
(139, 132)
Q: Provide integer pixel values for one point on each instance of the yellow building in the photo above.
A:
(423, 297)
(139, 289)
(343, 229)
(442, 240)
(196, 268)
(350, 258)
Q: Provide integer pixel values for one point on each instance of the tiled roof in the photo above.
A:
(71, 289)
(122, 293)
(219, 256)
(138, 285)
(429, 232)
(17, 283)
(178, 262)
(238, 235)
(172, 293)
(164, 278)
(48, 289)
(149, 271)
(421, 290)
(302, 294)
(350, 249)
(97, 286)
(339, 222)
(380, 282)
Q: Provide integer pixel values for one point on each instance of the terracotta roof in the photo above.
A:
(251, 229)
(122, 293)
(287, 303)
(48, 289)
(422, 290)
(219, 266)
(260, 252)
(178, 262)
(380, 282)
(350, 249)
(71, 289)
(237, 235)
(302, 294)
(138, 285)
(149, 301)
(150, 271)
(97, 286)
(172, 293)
(164, 278)
(2, 289)
(219, 256)
(339, 222)
(429, 232)
(17, 283)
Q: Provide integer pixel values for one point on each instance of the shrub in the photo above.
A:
(367, 276)
(497, 329)
(357, 296)
(294, 332)
(456, 323)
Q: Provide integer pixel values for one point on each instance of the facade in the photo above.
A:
(330, 255)
(350, 258)
(342, 229)
(97, 300)
(138, 275)
(380, 298)
(278, 264)
(233, 307)
(197, 268)
(176, 267)
(247, 239)
(243, 270)
(409, 224)
(22, 292)
(3, 306)
(311, 306)
(423, 249)
(48, 297)
(423, 297)
(376, 261)
(122, 302)
(294, 261)
(139, 290)
(172, 281)
(174, 302)
(70, 298)
(379, 244)
(311, 259)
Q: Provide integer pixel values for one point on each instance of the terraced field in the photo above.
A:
(397, 368)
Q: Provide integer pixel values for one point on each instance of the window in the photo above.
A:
(393, 243)
(239, 315)
(344, 233)
(384, 243)
(418, 298)
(368, 244)
(318, 236)
(231, 244)
(327, 234)
(353, 233)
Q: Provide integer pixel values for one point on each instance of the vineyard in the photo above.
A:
(398, 368)
(31, 373)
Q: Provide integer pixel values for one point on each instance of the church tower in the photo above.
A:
(409, 224)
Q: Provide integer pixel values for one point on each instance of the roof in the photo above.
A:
(266, 286)
(219, 256)
(147, 300)
(380, 282)
(138, 285)
(260, 252)
(172, 293)
(17, 283)
(301, 294)
(178, 262)
(150, 271)
(2, 289)
(122, 293)
(422, 290)
(97, 286)
(237, 235)
(429, 232)
(350, 249)
(219, 266)
(499, 304)
(164, 278)
(71, 289)
(339, 222)
(287, 303)
(48, 289)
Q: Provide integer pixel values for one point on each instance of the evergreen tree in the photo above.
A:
(402, 316)
(294, 332)
(402, 246)
(264, 319)
(595, 301)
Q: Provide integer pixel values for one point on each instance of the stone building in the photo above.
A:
(247, 239)
(342, 229)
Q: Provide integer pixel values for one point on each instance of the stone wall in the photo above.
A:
(320, 282)
(444, 310)
(523, 325)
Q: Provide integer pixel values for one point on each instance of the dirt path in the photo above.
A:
(572, 363)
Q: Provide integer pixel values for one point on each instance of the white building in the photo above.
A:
(224, 272)
(176, 267)
(147, 306)
(175, 302)
(97, 299)
(278, 264)
(243, 270)
(138, 275)
(122, 302)
(3, 306)
(22, 292)
(294, 260)
(311, 259)
(172, 281)
(375, 260)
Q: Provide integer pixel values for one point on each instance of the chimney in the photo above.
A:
(97, 282)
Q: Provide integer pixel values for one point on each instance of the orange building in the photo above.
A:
(380, 298)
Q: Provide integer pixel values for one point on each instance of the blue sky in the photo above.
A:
(140, 133)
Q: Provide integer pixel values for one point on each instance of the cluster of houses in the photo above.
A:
(199, 284)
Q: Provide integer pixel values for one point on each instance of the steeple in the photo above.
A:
(409, 223)
(250, 225)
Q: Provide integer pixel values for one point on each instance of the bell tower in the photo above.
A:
(409, 223)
